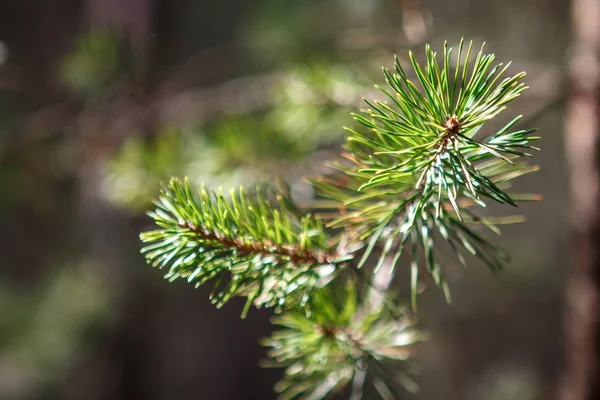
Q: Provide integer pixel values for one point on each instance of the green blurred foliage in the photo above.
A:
(42, 330)
(507, 382)
(311, 103)
(93, 65)
(290, 30)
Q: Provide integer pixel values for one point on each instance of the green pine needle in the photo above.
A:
(246, 245)
(340, 340)
(420, 162)
(416, 168)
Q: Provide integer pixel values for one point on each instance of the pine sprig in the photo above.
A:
(246, 244)
(419, 164)
(417, 167)
(342, 341)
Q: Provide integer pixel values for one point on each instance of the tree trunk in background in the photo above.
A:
(582, 328)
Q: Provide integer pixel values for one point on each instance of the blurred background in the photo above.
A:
(102, 100)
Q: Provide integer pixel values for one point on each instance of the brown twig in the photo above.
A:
(294, 253)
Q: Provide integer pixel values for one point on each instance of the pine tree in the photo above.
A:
(417, 166)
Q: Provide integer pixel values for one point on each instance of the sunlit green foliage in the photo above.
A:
(248, 245)
(421, 161)
(416, 168)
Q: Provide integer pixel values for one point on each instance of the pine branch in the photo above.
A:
(417, 167)
(340, 341)
(248, 246)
